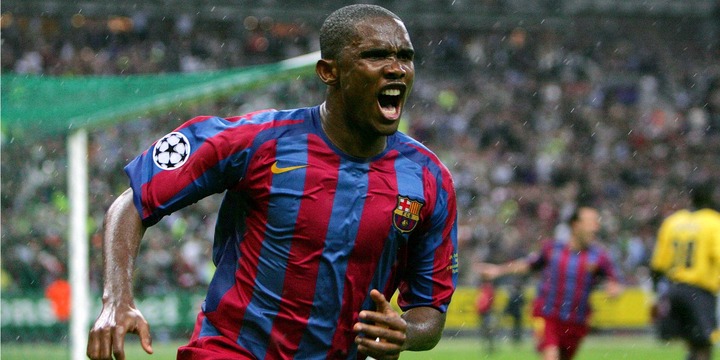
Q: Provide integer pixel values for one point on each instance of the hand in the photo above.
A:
(107, 337)
(614, 289)
(487, 271)
(659, 309)
(382, 333)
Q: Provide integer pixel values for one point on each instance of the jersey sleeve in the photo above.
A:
(607, 268)
(663, 253)
(536, 260)
(715, 251)
(434, 259)
(202, 157)
(715, 241)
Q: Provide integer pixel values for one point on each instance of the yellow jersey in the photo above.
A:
(688, 249)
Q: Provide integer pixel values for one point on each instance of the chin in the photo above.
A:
(388, 130)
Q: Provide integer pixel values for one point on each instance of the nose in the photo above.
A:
(395, 69)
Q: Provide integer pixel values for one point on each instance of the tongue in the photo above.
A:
(390, 111)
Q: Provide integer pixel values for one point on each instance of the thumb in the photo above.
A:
(381, 303)
(145, 337)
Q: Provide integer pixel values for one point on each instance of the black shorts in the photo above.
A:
(687, 312)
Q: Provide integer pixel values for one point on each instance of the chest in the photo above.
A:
(573, 264)
(308, 192)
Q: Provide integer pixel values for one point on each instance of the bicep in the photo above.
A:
(211, 162)
(123, 218)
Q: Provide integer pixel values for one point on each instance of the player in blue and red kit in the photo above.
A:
(570, 270)
(328, 210)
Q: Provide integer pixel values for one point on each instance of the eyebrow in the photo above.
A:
(373, 52)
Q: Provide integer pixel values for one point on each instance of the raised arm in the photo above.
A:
(492, 271)
(122, 235)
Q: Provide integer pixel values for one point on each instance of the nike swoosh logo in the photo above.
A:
(278, 170)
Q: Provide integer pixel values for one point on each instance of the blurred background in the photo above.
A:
(535, 106)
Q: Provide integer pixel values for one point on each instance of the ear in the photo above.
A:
(326, 71)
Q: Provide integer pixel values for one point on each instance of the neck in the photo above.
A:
(349, 140)
(577, 244)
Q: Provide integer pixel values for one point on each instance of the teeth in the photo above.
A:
(391, 92)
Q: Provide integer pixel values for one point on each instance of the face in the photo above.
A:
(587, 225)
(375, 75)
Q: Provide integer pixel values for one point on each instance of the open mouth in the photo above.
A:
(390, 101)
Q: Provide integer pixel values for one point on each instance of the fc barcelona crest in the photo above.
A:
(407, 213)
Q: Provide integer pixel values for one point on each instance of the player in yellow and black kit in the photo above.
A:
(687, 255)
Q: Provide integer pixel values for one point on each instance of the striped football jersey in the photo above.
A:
(568, 278)
(304, 231)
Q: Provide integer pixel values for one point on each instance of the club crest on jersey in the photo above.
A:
(171, 151)
(407, 213)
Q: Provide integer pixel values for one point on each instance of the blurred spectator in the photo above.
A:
(486, 314)
(529, 119)
(58, 293)
(514, 309)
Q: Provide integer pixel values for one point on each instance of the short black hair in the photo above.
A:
(339, 27)
(702, 194)
(575, 215)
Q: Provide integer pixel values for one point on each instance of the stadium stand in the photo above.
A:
(532, 117)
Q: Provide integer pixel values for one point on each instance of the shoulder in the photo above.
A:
(550, 244)
(273, 115)
(263, 125)
(709, 214)
(677, 216)
(709, 220)
(417, 152)
(260, 117)
(547, 246)
(671, 222)
(601, 251)
(600, 248)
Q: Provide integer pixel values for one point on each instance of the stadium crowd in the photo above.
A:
(531, 121)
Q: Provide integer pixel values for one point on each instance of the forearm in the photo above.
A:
(123, 231)
(515, 267)
(424, 328)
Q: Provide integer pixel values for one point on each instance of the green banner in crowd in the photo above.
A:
(44, 105)
(173, 315)
(32, 318)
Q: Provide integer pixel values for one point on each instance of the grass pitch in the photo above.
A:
(595, 347)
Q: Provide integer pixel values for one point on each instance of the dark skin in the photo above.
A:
(379, 58)
(119, 315)
(385, 333)
(377, 63)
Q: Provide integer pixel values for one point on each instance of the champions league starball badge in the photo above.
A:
(171, 151)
